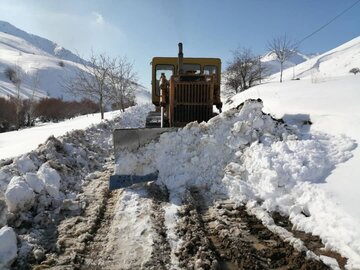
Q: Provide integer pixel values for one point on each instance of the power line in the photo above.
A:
(333, 19)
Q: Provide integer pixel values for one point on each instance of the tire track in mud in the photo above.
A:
(95, 256)
(225, 236)
(312, 242)
(75, 233)
(161, 250)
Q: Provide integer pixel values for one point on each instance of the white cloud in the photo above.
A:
(99, 19)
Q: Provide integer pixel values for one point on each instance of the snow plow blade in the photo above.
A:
(131, 140)
(123, 181)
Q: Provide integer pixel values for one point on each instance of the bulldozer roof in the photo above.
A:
(187, 60)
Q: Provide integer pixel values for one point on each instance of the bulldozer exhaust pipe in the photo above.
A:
(180, 59)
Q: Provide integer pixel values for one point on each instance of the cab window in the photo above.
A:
(192, 69)
(210, 70)
(168, 70)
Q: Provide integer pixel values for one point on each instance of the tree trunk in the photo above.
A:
(101, 107)
(122, 103)
(281, 71)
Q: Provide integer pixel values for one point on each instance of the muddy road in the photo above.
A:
(217, 235)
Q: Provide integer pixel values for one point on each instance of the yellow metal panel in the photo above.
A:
(187, 60)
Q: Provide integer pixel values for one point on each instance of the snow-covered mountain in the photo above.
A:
(38, 44)
(334, 63)
(41, 64)
(273, 66)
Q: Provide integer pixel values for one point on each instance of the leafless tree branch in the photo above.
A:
(283, 48)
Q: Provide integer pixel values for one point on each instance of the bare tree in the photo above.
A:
(90, 81)
(283, 48)
(123, 83)
(15, 75)
(35, 84)
(104, 80)
(244, 70)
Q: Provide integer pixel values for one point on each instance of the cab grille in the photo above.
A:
(192, 102)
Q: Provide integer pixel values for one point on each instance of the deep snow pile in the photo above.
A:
(251, 158)
(37, 187)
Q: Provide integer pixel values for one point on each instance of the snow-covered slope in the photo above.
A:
(38, 44)
(336, 62)
(41, 64)
(40, 72)
(272, 66)
(143, 95)
(328, 97)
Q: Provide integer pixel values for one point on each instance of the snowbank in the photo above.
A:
(248, 156)
(51, 179)
(19, 196)
(38, 186)
(8, 248)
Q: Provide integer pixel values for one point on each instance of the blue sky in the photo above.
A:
(141, 29)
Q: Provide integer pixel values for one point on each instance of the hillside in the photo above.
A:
(334, 63)
(272, 66)
(42, 65)
(328, 96)
(38, 45)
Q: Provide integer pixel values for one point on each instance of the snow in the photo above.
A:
(18, 195)
(261, 160)
(51, 179)
(272, 66)
(25, 164)
(332, 107)
(38, 61)
(334, 63)
(307, 172)
(62, 166)
(327, 96)
(38, 44)
(15, 143)
(8, 247)
(130, 240)
(34, 182)
(310, 174)
(39, 71)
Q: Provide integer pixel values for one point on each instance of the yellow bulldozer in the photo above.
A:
(183, 90)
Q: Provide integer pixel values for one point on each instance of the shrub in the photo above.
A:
(15, 113)
(53, 109)
(354, 70)
(7, 114)
(61, 63)
(12, 75)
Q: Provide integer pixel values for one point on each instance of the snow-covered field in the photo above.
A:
(19, 142)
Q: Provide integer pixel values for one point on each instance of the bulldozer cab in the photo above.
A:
(191, 66)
